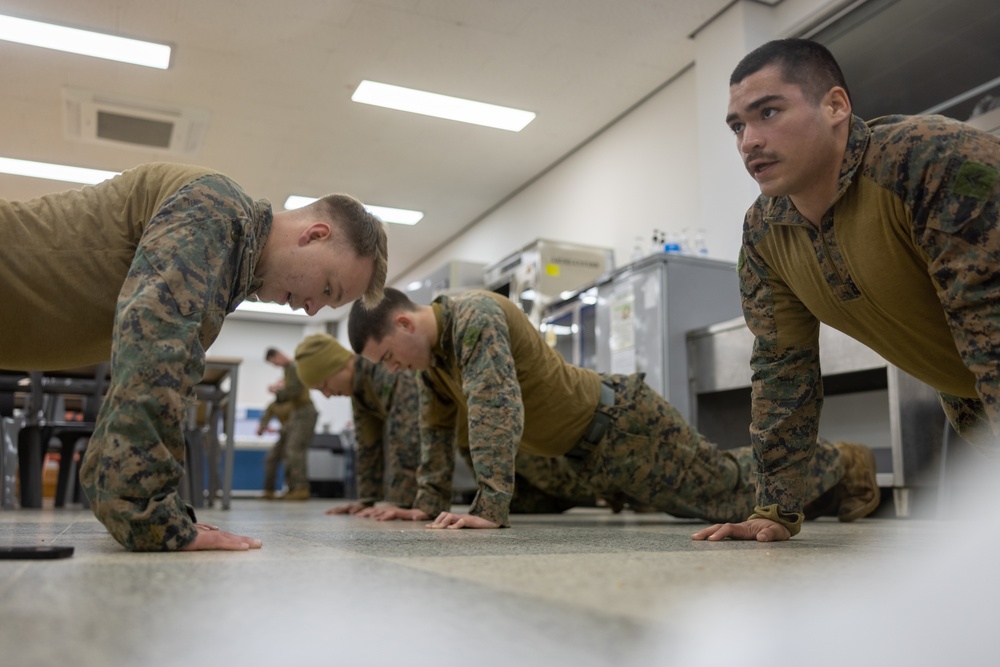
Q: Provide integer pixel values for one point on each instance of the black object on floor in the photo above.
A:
(35, 553)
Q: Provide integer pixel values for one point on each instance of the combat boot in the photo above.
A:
(859, 492)
(296, 494)
(268, 495)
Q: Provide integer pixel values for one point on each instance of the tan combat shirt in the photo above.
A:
(492, 370)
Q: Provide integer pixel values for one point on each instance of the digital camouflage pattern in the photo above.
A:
(905, 261)
(63, 259)
(649, 456)
(386, 408)
(472, 396)
(652, 458)
(296, 435)
(548, 485)
(194, 264)
(542, 484)
(280, 410)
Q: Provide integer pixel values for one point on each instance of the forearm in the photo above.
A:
(370, 460)
(786, 387)
(787, 398)
(437, 466)
(135, 459)
(493, 438)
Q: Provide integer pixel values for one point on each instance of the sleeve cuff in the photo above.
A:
(790, 520)
(493, 506)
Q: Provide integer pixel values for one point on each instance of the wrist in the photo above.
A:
(792, 521)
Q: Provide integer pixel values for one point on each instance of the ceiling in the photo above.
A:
(277, 78)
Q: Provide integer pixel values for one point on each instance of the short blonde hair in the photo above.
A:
(365, 234)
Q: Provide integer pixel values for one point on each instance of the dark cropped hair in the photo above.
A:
(365, 324)
(809, 65)
(271, 352)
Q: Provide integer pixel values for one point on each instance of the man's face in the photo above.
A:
(403, 349)
(339, 383)
(785, 141)
(316, 273)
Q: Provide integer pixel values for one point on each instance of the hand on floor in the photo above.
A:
(449, 520)
(210, 538)
(762, 530)
(388, 513)
(350, 508)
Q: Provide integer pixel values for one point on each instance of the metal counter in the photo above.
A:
(868, 400)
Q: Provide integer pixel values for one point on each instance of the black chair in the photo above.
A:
(45, 424)
(74, 437)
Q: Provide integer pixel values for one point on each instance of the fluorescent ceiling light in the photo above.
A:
(441, 106)
(399, 216)
(270, 308)
(54, 172)
(84, 42)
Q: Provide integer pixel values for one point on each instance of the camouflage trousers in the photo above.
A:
(292, 448)
(548, 485)
(652, 457)
(969, 419)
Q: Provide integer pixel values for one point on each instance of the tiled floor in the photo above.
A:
(583, 588)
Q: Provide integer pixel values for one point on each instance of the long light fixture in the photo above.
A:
(84, 42)
(269, 308)
(398, 216)
(54, 172)
(441, 106)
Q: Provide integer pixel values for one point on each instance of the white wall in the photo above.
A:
(638, 175)
(669, 164)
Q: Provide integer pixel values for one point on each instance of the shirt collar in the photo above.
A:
(255, 231)
(781, 209)
(443, 316)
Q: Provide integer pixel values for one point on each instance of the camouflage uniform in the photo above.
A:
(176, 247)
(280, 411)
(549, 485)
(905, 261)
(386, 423)
(495, 385)
(387, 426)
(297, 434)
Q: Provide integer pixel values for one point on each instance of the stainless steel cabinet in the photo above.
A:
(867, 400)
(645, 309)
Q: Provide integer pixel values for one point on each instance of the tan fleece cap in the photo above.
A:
(318, 357)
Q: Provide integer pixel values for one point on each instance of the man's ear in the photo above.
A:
(405, 321)
(838, 104)
(317, 231)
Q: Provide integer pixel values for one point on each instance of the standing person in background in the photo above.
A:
(282, 411)
(298, 433)
(888, 231)
(142, 269)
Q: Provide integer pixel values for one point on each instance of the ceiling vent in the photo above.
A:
(121, 121)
